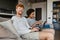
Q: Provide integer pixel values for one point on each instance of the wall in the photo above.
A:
(8, 4)
(43, 6)
(35, 5)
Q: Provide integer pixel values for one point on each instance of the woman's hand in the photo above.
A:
(38, 22)
(34, 29)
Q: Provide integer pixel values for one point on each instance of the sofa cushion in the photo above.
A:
(3, 19)
(6, 29)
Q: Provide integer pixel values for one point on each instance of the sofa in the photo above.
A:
(4, 33)
(8, 32)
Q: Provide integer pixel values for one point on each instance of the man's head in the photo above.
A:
(30, 13)
(19, 9)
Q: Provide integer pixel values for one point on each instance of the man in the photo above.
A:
(22, 27)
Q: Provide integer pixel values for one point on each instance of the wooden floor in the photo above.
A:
(57, 35)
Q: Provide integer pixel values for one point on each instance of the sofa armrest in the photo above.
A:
(4, 33)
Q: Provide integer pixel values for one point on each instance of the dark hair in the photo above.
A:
(29, 11)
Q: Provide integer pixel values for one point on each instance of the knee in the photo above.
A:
(51, 37)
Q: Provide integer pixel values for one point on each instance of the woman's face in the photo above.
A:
(32, 15)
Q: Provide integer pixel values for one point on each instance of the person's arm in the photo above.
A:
(32, 29)
(37, 22)
(13, 30)
(27, 24)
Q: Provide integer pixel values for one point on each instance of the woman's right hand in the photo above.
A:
(34, 29)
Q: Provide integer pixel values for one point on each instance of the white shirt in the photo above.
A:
(21, 25)
(31, 21)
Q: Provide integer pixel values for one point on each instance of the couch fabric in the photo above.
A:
(8, 32)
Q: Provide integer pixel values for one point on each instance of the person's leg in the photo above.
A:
(32, 36)
(42, 36)
(46, 36)
(49, 31)
(51, 37)
(39, 36)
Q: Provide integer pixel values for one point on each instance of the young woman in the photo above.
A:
(31, 18)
